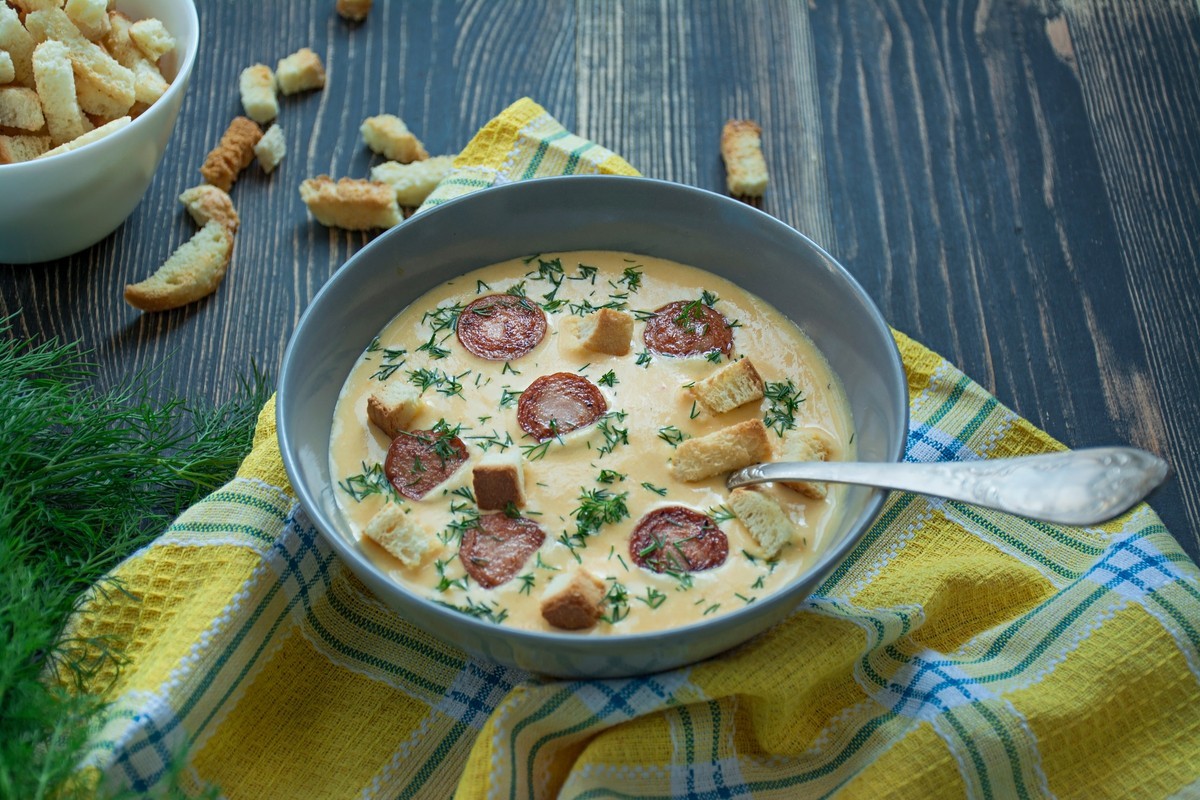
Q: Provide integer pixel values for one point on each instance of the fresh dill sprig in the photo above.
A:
(87, 476)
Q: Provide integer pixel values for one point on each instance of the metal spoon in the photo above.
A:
(1077, 487)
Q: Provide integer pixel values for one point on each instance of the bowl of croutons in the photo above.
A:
(89, 94)
(514, 417)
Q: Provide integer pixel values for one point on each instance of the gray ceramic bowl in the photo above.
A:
(668, 220)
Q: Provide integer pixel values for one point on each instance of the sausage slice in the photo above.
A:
(688, 328)
(501, 327)
(417, 461)
(496, 549)
(568, 400)
(678, 539)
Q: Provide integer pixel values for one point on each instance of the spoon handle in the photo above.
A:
(1076, 487)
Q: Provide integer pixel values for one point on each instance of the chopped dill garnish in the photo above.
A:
(654, 598)
(694, 412)
(441, 382)
(508, 398)
(508, 367)
(443, 321)
(516, 290)
(527, 581)
(643, 359)
(479, 609)
(692, 312)
(671, 435)
(585, 273)
(371, 480)
(613, 436)
(721, 513)
(537, 562)
(445, 583)
(760, 583)
(535, 452)
(480, 286)
(486, 443)
(610, 476)
(714, 356)
(598, 507)
(784, 399)
(711, 609)
(391, 360)
(708, 298)
(658, 490)
(617, 599)
(744, 599)
(608, 379)
(632, 278)
(465, 493)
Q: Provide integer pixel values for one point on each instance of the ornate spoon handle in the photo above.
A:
(1077, 487)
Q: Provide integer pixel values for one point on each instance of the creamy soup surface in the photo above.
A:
(616, 469)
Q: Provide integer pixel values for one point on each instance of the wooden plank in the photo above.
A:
(969, 197)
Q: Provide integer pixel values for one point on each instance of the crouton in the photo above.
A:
(89, 16)
(350, 203)
(806, 445)
(300, 71)
(256, 85)
(387, 135)
(271, 149)
(27, 6)
(8, 72)
(148, 83)
(206, 203)
(193, 271)
(745, 168)
(729, 448)
(766, 520)
(393, 407)
(415, 181)
(401, 536)
(603, 331)
(104, 86)
(232, 154)
(730, 387)
(152, 38)
(17, 42)
(354, 10)
(94, 135)
(499, 480)
(20, 108)
(573, 600)
(56, 87)
(15, 149)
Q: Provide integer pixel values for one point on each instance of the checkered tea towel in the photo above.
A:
(956, 652)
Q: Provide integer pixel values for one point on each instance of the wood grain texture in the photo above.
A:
(1016, 182)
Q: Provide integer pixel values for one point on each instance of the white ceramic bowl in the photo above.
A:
(638, 215)
(53, 207)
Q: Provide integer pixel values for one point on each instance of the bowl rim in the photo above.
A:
(96, 149)
(521, 637)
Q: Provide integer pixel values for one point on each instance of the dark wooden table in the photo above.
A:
(1017, 184)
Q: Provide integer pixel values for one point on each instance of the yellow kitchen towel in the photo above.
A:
(956, 651)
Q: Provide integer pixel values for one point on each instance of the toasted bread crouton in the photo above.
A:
(256, 85)
(152, 38)
(206, 203)
(415, 181)
(17, 42)
(573, 600)
(27, 6)
(20, 108)
(499, 480)
(300, 71)
(104, 86)
(806, 445)
(720, 451)
(730, 387)
(745, 167)
(89, 16)
(8, 73)
(766, 520)
(393, 407)
(56, 87)
(193, 271)
(94, 135)
(149, 84)
(350, 203)
(354, 10)
(387, 135)
(15, 149)
(232, 154)
(401, 535)
(603, 331)
(271, 149)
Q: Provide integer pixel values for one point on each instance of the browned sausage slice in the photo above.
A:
(568, 400)
(678, 539)
(496, 549)
(501, 327)
(417, 461)
(688, 328)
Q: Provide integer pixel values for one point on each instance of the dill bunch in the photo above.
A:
(86, 477)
